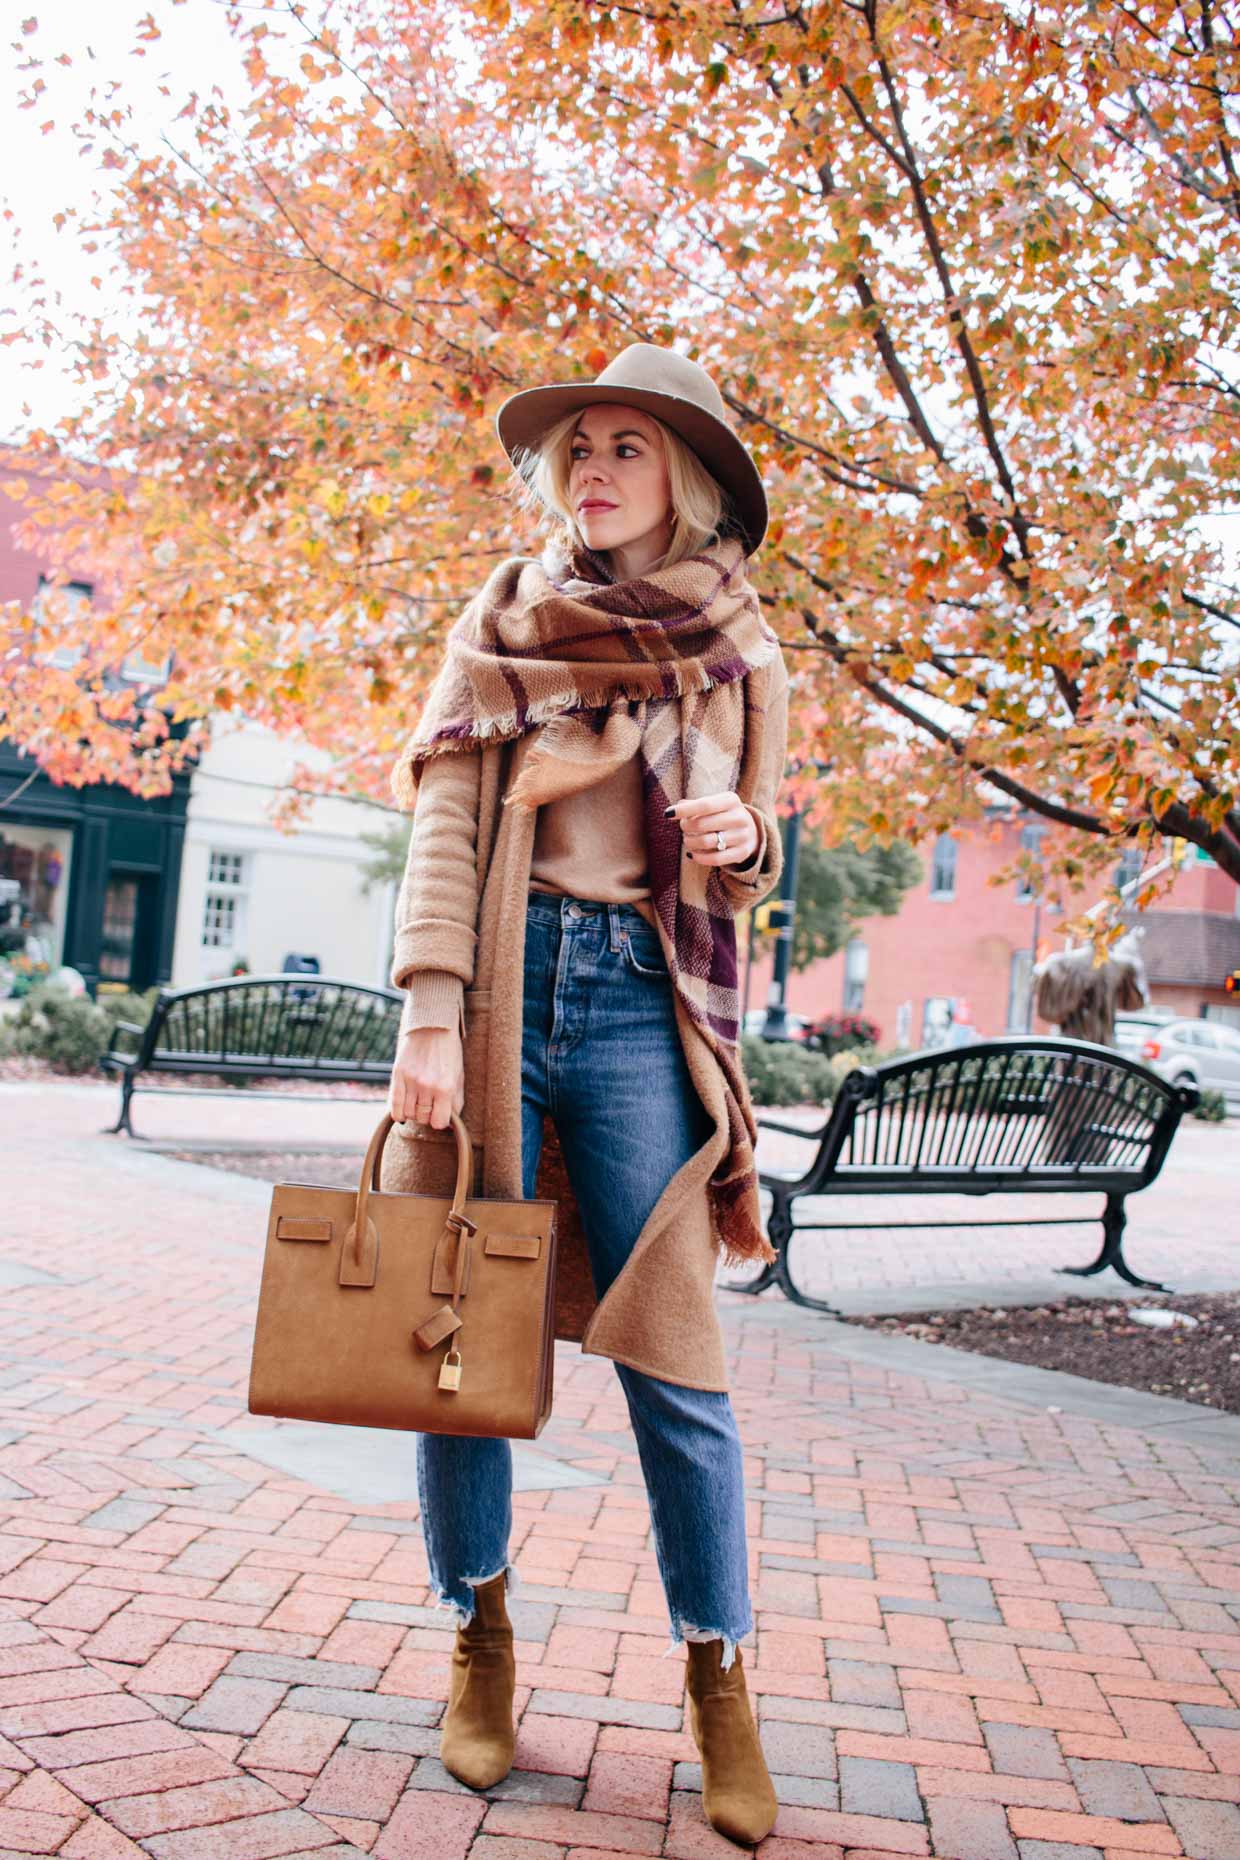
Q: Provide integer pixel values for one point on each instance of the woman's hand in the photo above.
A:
(700, 819)
(428, 1076)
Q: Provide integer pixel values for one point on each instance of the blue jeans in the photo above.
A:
(601, 1055)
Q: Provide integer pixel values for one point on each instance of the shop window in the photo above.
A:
(1020, 982)
(856, 969)
(137, 670)
(70, 594)
(223, 921)
(943, 867)
(34, 884)
(936, 1018)
(904, 1024)
(1128, 871)
(129, 929)
(1030, 842)
(120, 929)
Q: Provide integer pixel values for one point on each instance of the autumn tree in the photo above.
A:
(966, 275)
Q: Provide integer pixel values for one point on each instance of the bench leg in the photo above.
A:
(122, 1122)
(779, 1231)
(1114, 1219)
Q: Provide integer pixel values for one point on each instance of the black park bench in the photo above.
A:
(1018, 1116)
(259, 1027)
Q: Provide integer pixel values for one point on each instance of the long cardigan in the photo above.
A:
(462, 909)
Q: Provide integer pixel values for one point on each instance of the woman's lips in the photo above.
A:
(595, 503)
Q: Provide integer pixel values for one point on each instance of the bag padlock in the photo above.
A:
(450, 1372)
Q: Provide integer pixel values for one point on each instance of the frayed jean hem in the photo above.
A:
(464, 1609)
(682, 1632)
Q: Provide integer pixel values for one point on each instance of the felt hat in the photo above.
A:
(674, 389)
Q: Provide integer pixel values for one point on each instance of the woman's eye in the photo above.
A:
(623, 447)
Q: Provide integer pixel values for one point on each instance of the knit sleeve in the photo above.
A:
(433, 998)
(758, 786)
(437, 903)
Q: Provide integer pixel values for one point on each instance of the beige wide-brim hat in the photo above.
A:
(672, 388)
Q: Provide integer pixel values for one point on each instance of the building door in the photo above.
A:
(127, 946)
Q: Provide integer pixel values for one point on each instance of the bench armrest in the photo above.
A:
(113, 1051)
(793, 1130)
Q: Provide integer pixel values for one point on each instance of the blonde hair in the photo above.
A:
(702, 511)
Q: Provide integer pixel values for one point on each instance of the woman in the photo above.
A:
(594, 778)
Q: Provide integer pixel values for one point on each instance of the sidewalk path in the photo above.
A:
(996, 1618)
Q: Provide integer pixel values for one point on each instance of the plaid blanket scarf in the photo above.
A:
(655, 667)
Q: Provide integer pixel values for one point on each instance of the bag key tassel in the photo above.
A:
(449, 1371)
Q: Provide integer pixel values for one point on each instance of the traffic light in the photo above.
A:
(772, 917)
(1232, 983)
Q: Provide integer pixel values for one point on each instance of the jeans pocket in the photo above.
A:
(644, 954)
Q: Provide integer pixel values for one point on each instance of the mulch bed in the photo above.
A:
(1091, 1337)
(331, 1169)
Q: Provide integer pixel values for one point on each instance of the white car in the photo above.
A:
(1132, 1030)
(1194, 1052)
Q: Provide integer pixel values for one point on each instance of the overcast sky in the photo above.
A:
(43, 173)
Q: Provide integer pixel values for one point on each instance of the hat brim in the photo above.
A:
(524, 417)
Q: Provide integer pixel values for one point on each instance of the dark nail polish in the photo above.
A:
(669, 810)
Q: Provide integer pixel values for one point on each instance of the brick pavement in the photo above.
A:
(1179, 1230)
(985, 1630)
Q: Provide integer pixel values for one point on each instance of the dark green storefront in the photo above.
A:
(91, 873)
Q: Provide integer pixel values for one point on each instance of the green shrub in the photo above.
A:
(855, 1056)
(782, 1072)
(1211, 1107)
(68, 1031)
(136, 1009)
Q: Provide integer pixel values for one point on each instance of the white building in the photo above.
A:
(251, 890)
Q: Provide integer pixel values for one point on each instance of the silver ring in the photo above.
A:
(720, 841)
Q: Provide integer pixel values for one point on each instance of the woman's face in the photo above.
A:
(618, 485)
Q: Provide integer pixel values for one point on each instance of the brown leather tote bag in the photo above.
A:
(409, 1311)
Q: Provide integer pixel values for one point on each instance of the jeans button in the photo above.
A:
(574, 910)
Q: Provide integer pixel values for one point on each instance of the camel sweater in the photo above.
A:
(591, 844)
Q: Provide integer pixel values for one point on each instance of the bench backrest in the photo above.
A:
(279, 1025)
(1000, 1114)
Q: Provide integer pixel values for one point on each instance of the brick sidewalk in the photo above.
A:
(1180, 1230)
(985, 1630)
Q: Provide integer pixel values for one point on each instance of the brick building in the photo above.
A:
(963, 944)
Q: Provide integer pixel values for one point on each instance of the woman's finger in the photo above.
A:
(739, 845)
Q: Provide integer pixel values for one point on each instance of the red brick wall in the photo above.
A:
(20, 568)
(963, 946)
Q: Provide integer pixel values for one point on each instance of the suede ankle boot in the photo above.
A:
(738, 1797)
(477, 1739)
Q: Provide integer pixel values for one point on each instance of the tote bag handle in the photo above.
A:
(370, 1179)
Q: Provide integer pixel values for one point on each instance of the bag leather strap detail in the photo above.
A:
(359, 1264)
(303, 1227)
(440, 1325)
(514, 1246)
